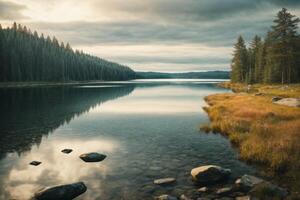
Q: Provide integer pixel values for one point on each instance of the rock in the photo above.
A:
(66, 151)
(267, 190)
(61, 192)
(248, 181)
(165, 197)
(224, 191)
(164, 181)
(209, 174)
(203, 189)
(274, 99)
(203, 198)
(35, 163)
(92, 157)
(293, 102)
(243, 198)
(236, 194)
(224, 198)
(183, 197)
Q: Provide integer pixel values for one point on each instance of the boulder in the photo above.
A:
(267, 190)
(209, 174)
(61, 192)
(165, 197)
(248, 181)
(35, 163)
(92, 157)
(164, 181)
(293, 102)
(66, 151)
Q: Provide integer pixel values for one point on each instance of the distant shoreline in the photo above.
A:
(38, 84)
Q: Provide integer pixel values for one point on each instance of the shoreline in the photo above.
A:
(264, 132)
(49, 84)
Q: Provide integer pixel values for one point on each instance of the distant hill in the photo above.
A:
(203, 75)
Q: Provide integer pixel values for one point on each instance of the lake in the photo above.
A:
(148, 129)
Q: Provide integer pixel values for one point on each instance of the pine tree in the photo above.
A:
(254, 65)
(28, 57)
(282, 49)
(239, 62)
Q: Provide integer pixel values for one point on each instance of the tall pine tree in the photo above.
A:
(239, 62)
(282, 49)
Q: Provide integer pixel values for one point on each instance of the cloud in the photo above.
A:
(11, 11)
(221, 33)
(155, 34)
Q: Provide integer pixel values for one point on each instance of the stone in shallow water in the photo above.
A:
(66, 151)
(61, 192)
(183, 197)
(265, 190)
(248, 181)
(224, 191)
(164, 181)
(92, 157)
(203, 189)
(209, 174)
(165, 197)
(243, 198)
(35, 163)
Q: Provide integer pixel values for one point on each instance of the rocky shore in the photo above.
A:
(211, 183)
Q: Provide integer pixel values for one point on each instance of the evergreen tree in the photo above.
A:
(24, 56)
(239, 61)
(254, 60)
(276, 60)
(282, 49)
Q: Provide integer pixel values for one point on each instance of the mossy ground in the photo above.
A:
(265, 133)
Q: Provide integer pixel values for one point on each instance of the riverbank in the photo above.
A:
(266, 134)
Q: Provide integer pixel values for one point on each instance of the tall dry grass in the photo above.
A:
(265, 133)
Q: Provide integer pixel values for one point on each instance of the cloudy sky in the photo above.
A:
(150, 35)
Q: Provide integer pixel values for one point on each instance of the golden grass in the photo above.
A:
(266, 133)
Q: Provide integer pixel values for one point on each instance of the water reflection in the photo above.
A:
(28, 114)
(152, 132)
(23, 179)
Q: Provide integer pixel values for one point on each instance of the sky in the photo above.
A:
(150, 35)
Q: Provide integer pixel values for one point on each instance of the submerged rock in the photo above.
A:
(61, 192)
(224, 191)
(203, 189)
(293, 102)
(248, 181)
(66, 151)
(92, 157)
(164, 181)
(35, 163)
(209, 174)
(243, 198)
(267, 190)
(165, 197)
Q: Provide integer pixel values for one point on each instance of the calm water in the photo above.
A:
(147, 129)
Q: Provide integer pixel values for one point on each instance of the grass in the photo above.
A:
(265, 133)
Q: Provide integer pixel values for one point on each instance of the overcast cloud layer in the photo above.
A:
(150, 35)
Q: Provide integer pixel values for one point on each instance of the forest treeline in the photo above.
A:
(274, 59)
(27, 56)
